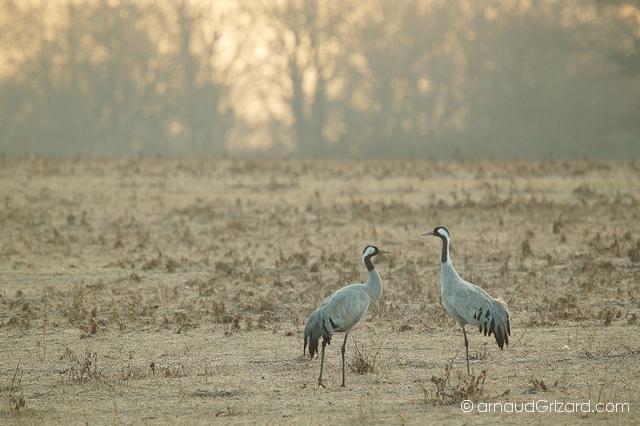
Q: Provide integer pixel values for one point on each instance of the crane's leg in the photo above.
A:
(466, 346)
(344, 345)
(324, 343)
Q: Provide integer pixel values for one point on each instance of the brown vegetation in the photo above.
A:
(175, 291)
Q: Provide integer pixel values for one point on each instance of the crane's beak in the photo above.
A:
(427, 233)
(383, 251)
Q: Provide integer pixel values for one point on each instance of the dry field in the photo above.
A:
(156, 291)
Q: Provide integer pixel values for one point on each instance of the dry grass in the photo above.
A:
(450, 391)
(154, 291)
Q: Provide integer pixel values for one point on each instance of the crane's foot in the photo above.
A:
(321, 384)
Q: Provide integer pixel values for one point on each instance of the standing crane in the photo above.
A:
(342, 310)
(469, 304)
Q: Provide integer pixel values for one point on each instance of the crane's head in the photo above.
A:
(441, 232)
(370, 251)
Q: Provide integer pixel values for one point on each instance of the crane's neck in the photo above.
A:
(449, 274)
(374, 285)
(445, 250)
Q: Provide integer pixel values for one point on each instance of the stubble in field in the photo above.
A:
(156, 291)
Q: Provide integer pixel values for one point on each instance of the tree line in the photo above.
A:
(312, 78)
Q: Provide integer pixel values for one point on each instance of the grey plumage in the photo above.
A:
(469, 304)
(342, 310)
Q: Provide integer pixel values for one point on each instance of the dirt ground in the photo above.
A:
(157, 291)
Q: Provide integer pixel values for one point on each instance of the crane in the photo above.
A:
(469, 304)
(342, 310)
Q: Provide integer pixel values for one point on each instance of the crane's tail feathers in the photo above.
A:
(311, 339)
(313, 332)
(313, 346)
(497, 323)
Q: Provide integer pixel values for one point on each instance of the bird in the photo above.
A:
(342, 310)
(469, 304)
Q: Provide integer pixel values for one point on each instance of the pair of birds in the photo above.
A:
(466, 303)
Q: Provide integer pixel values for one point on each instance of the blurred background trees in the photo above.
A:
(491, 78)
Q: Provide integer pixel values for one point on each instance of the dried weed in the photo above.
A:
(363, 361)
(452, 391)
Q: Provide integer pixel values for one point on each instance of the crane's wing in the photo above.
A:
(477, 308)
(340, 311)
(344, 308)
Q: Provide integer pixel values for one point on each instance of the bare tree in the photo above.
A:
(316, 40)
(112, 80)
(417, 72)
(196, 115)
(502, 79)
